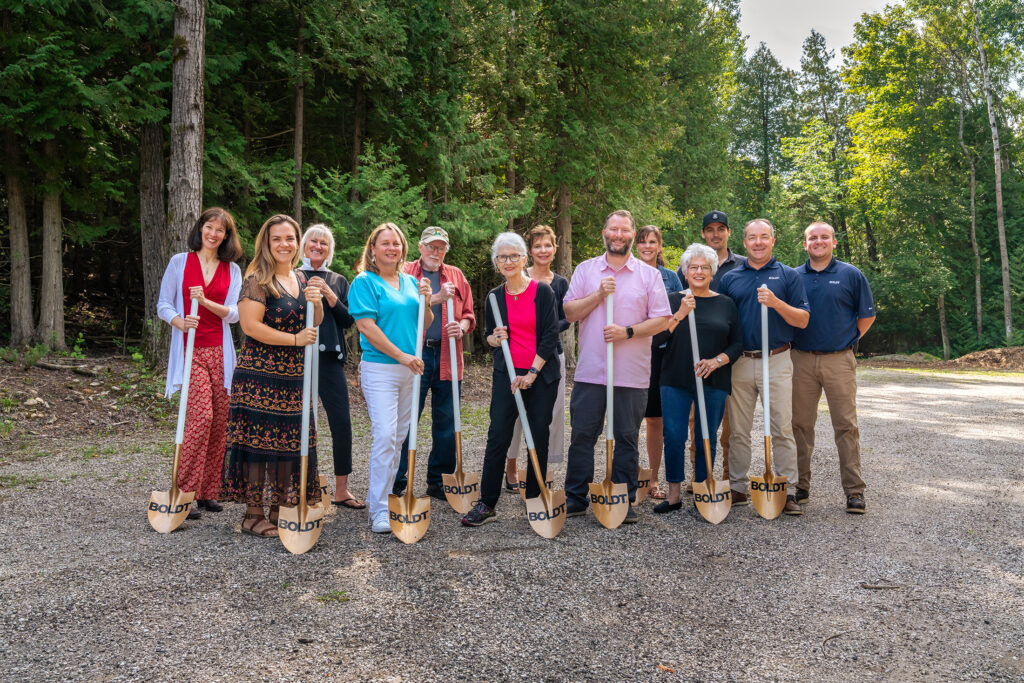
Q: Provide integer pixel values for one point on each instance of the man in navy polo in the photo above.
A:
(763, 280)
(842, 311)
(715, 232)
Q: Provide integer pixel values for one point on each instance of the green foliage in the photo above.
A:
(34, 354)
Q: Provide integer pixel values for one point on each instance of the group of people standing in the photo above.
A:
(244, 414)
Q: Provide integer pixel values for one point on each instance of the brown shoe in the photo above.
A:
(791, 507)
(739, 498)
(855, 504)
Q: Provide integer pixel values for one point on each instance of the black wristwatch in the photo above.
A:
(629, 332)
(534, 371)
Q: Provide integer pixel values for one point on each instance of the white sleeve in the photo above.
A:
(233, 290)
(165, 309)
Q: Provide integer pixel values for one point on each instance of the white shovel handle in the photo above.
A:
(315, 383)
(414, 416)
(700, 381)
(609, 380)
(179, 434)
(454, 355)
(307, 377)
(764, 367)
(527, 434)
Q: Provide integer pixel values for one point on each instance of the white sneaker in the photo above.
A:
(380, 524)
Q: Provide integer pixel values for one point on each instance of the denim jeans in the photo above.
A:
(675, 410)
(442, 428)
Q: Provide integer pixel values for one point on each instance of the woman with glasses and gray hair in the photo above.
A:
(530, 324)
(317, 249)
(720, 342)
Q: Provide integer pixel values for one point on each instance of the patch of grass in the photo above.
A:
(6, 427)
(478, 417)
(8, 354)
(34, 354)
(10, 481)
(333, 596)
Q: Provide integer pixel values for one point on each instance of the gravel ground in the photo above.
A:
(928, 585)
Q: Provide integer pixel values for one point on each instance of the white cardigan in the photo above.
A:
(171, 304)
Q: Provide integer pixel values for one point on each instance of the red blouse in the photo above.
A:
(211, 329)
(522, 325)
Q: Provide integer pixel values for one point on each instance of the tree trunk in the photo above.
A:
(357, 139)
(300, 87)
(51, 304)
(185, 181)
(996, 156)
(21, 279)
(511, 178)
(943, 327)
(869, 239)
(155, 254)
(844, 244)
(563, 261)
(969, 155)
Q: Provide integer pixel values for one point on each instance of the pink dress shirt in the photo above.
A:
(639, 296)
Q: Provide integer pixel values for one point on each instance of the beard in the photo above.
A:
(625, 249)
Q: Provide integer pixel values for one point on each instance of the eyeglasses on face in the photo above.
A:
(437, 247)
(508, 258)
(698, 269)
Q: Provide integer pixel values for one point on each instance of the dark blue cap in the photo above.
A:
(715, 217)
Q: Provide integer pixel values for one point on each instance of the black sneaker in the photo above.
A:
(398, 489)
(630, 516)
(855, 504)
(573, 509)
(802, 496)
(435, 491)
(480, 514)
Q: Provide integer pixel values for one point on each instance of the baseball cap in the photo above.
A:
(715, 217)
(433, 234)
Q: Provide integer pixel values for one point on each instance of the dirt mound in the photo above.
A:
(1010, 359)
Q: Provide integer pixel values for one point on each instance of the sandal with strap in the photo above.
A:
(657, 493)
(269, 531)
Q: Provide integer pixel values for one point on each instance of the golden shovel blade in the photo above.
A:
(462, 489)
(409, 516)
(643, 484)
(547, 523)
(767, 494)
(325, 492)
(300, 532)
(610, 502)
(713, 499)
(521, 484)
(167, 512)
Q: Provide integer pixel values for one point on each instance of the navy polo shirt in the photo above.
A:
(741, 285)
(839, 296)
(731, 262)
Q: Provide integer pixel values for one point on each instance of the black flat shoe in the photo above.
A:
(509, 486)
(211, 505)
(665, 506)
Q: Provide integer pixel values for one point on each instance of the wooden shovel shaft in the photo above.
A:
(307, 377)
(453, 355)
(765, 392)
(701, 405)
(179, 434)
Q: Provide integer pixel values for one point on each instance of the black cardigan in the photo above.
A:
(337, 319)
(547, 330)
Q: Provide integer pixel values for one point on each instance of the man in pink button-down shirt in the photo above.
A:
(640, 310)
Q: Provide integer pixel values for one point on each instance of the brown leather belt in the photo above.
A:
(757, 354)
(827, 353)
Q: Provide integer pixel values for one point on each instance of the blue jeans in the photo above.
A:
(442, 428)
(675, 411)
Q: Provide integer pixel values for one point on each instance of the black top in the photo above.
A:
(547, 330)
(560, 286)
(336, 318)
(718, 331)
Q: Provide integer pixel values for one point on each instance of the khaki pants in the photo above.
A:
(723, 443)
(836, 373)
(746, 388)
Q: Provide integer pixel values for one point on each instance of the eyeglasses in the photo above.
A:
(698, 269)
(508, 258)
(436, 248)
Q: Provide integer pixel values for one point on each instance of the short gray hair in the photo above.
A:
(320, 230)
(507, 239)
(702, 250)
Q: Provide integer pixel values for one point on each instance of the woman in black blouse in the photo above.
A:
(317, 250)
(720, 342)
(543, 245)
(527, 310)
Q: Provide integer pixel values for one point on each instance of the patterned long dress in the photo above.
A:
(265, 420)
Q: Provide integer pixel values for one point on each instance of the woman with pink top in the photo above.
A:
(528, 310)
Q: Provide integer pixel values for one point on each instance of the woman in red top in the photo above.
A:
(206, 273)
(528, 310)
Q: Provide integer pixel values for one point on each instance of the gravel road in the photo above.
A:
(928, 585)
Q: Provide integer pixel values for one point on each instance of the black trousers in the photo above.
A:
(539, 401)
(334, 394)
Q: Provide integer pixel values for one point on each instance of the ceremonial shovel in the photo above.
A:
(168, 509)
(767, 493)
(610, 501)
(315, 384)
(299, 526)
(461, 489)
(546, 513)
(712, 497)
(410, 516)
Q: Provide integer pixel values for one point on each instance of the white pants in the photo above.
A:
(556, 435)
(387, 389)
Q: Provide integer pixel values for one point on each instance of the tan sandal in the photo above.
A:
(269, 531)
(657, 493)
